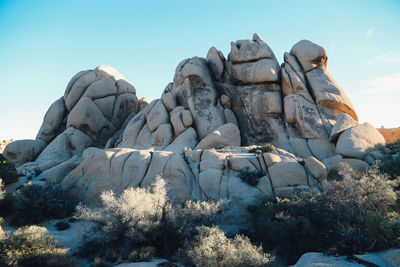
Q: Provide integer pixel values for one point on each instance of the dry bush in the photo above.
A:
(142, 217)
(210, 247)
(355, 215)
(32, 246)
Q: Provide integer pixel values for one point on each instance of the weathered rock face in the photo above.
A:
(95, 105)
(199, 134)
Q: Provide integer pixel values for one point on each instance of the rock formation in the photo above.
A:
(205, 132)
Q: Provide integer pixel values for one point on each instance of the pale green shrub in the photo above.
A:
(211, 247)
(32, 246)
(142, 217)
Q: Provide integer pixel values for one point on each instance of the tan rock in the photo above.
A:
(72, 142)
(55, 174)
(230, 117)
(163, 135)
(348, 166)
(194, 89)
(124, 105)
(332, 161)
(169, 100)
(300, 147)
(356, 142)
(305, 115)
(216, 60)
(87, 116)
(52, 121)
(187, 118)
(287, 173)
(226, 135)
(264, 70)
(225, 101)
(106, 105)
(176, 120)
(343, 123)
(72, 96)
(250, 50)
(157, 116)
(329, 96)
(316, 168)
(321, 148)
(101, 88)
(309, 55)
(21, 151)
(241, 164)
(270, 159)
(125, 87)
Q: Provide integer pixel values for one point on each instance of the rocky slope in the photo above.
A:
(206, 130)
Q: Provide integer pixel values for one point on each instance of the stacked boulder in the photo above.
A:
(250, 87)
(206, 135)
(95, 105)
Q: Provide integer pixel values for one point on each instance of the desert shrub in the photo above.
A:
(391, 167)
(264, 148)
(7, 171)
(210, 247)
(251, 177)
(354, 215)
(32, 204)
(32, 246)
(142, 217)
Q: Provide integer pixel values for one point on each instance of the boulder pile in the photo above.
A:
(207, 134)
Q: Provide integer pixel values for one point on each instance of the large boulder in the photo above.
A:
(21, 151)
(343, 123)
(95, 105)
(287, 173)
(53, 121)
(194, 89)
(310, 55)
(226, 135)
(356, 142)
(263, 70)
(329, 96)
(316, 168)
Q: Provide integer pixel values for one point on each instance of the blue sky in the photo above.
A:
(44, 43)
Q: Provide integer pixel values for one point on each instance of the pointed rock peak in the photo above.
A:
(243, 51)
(310, 55)
(257, 38)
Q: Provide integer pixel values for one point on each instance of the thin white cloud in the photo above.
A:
(370, 31)
(383, 84)
(392, 57)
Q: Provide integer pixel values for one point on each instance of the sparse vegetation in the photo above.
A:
(7, 171)
(391, 167)
(141, 218)
(210, 247)
(32, 246)
(264, 148)
(355, 215)
(33, 204)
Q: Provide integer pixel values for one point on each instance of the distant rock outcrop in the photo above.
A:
(206, 132)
